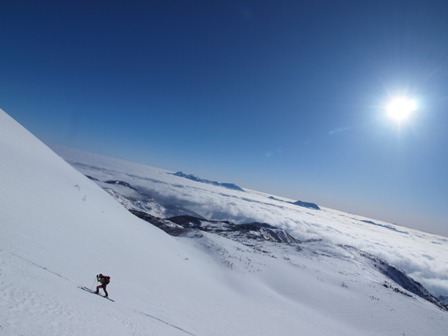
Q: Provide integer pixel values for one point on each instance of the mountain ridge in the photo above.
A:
(195, 178)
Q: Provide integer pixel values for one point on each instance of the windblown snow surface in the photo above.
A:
(59, 228)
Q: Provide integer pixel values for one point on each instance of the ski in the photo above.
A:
(93, 292)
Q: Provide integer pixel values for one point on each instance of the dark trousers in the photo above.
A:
(104, 289)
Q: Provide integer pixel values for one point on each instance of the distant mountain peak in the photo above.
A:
(308, 205)
(201, 180)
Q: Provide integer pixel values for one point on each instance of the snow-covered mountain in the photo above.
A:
(233, 263)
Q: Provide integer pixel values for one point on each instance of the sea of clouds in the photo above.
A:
(421, 255)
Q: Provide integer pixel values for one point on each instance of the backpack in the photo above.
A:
(107, 279)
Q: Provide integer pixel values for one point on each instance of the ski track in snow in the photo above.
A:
(165, 322)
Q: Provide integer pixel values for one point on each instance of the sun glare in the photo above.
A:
(401, 108)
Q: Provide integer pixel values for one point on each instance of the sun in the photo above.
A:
(401, 108)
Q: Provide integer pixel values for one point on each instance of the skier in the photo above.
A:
(104, 280)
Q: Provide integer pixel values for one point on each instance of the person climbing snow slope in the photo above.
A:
(104, 281)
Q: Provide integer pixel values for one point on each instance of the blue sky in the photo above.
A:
(286, 97)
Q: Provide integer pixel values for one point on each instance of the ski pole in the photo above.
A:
(91, 287)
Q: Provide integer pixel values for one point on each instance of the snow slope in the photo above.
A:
(58, 229)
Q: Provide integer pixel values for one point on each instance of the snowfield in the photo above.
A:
(59, 228)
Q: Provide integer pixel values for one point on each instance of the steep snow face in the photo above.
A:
(58, 229)
(46, 203)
